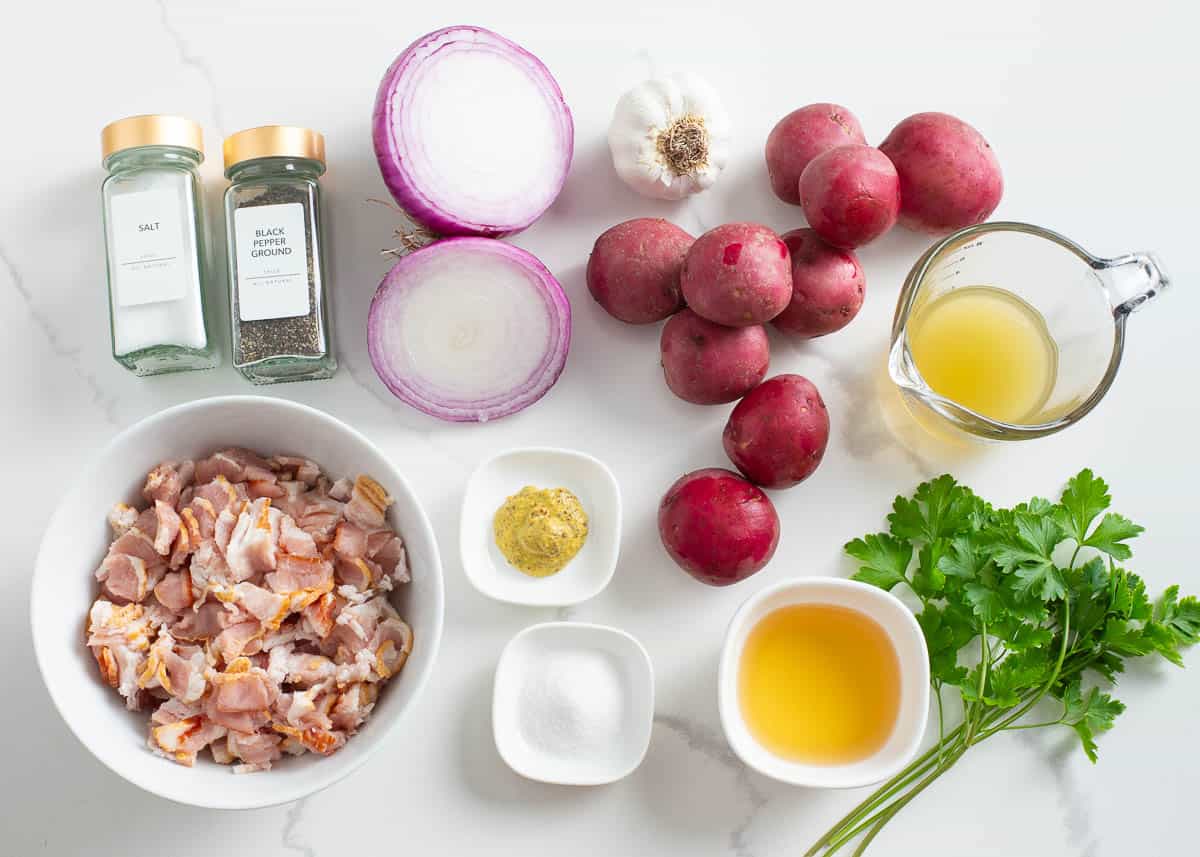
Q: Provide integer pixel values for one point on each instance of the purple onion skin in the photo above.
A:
(490, 409)
(414, 204)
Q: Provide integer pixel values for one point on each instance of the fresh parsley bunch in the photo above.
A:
(1016, 605)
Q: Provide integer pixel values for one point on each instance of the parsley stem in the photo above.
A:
(882, 816)
(911, 772)
(1034, 725)
(937, 695)
(1062, 654)
(870, 812)
(889, 813)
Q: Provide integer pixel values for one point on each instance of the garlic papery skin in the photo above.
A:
(669, 137)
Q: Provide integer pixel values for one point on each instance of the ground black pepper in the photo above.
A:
(299, 336)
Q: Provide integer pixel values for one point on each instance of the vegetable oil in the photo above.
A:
(987, 350)
(819, 684)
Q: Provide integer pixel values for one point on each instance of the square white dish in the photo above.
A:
(500, 477)
(526, 657)
(912, 655)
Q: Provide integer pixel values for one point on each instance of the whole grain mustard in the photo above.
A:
(540, 530)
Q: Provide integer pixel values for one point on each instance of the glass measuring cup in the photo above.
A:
(1083, 300)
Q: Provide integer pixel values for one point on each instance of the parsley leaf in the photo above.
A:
(885, 559)
(1089, 714)
(1111, 534)
(938, 509)
(1084, 498)
(1182, 617)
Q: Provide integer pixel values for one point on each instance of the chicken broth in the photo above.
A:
(987, 350)
(819, 684)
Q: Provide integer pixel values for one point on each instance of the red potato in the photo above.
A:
(828, 285)
(777, 434)
(801, 136)
(851, 195)
(737, 274)
(949, 175)
(710, 364)
(633, 272)
(718, 527)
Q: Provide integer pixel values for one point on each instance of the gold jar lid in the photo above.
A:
(151, 130)
(274, 141)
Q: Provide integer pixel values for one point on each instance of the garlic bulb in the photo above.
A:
(669, 137)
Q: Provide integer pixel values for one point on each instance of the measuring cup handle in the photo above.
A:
(1131, 280)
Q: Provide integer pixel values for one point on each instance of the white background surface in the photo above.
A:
(1089, 107)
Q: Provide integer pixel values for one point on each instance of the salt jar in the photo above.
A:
(279, 311)
(155, 242)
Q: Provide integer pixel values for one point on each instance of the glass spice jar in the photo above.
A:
(155, 239)
(279, 311)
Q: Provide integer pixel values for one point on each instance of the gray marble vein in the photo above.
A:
(710, 743)
(194, 61)
(104, 402)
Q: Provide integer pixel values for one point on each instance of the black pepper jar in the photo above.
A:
(278, 306)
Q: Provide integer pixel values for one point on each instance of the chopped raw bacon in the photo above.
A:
(294, 573)
(266, 606)
(341, 490)
(166, 482)
(254, 543)
(350, 541)
(219, 609)
(359, 573)
(174, 591)
(167, 524)
(296, 541)
(122, 518)
(129, 578)
(243, 691)
(219, 493)
(368, 503)
(204, 622)
(256, 750)
(237, 640)
(299, 469)
(135, 543)
(235, 464)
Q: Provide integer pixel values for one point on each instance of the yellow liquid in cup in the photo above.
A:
(819, 683)
(987, 350)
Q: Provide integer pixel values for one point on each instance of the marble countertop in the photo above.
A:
(1084, 104)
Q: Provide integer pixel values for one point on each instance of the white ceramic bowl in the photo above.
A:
(901, 627)
(506, 474)
(77, 537)
(526, 655)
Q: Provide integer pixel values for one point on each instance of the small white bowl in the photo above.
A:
(507, 473)
(77, 537)
(901, 627)
(526, 655)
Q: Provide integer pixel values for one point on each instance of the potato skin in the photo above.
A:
(718, 527)
(802, 135)
(777, 434)
(851, 195)
(737, 274)
(949, 175)
(633, 272)
(828, 286)
(710, 364)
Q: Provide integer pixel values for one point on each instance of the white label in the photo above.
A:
(149, 263)
(272, 261)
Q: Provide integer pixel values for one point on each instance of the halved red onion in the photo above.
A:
(469, 329)
(471, 133)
